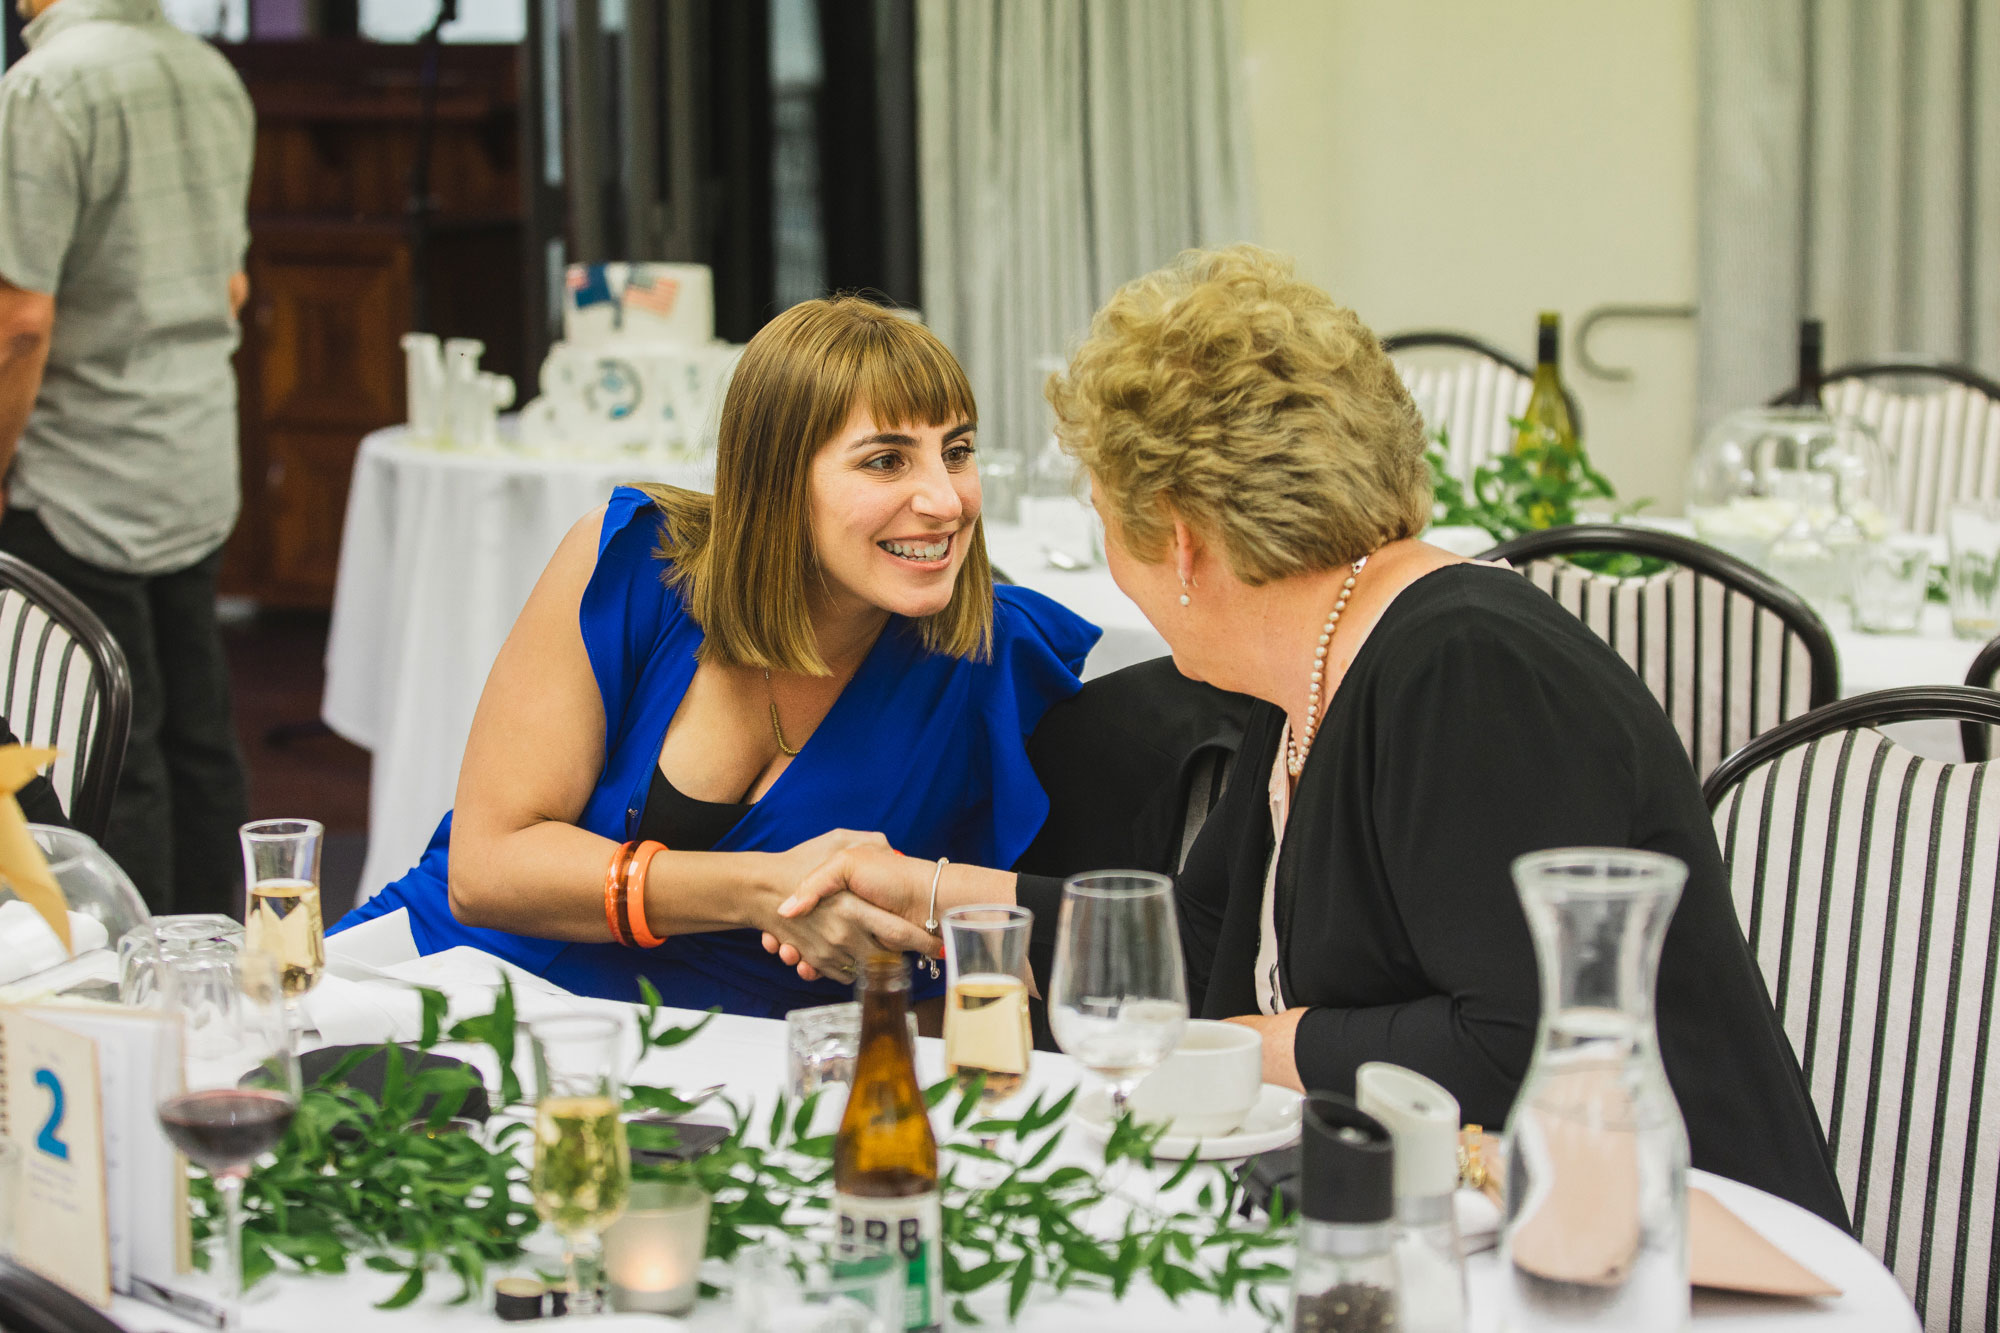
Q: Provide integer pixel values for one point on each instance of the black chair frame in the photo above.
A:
(1868, 370)
(1912, 703)
(1466, 342)
(89, 808)
(1983, 674)
(1706, 560)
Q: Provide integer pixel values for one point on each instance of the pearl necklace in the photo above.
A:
(1297, 750)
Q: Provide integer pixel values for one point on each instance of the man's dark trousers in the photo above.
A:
(182, 794)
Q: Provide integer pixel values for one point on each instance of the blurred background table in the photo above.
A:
(439, 552)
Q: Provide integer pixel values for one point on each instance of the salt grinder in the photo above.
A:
(1422, 1119)
(1346, 1279)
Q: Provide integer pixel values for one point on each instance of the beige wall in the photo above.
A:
(1465, 163)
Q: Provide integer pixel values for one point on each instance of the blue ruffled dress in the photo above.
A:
(927, 749)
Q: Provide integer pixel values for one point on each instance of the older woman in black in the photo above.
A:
(1423, 720)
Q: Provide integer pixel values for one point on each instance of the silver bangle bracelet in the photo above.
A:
(931, 920)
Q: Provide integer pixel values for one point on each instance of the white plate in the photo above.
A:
(1272, 1123)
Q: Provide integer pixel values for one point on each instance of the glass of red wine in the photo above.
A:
(227, 1079)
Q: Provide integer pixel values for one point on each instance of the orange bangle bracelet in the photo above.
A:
(635, 895)
(614, 892)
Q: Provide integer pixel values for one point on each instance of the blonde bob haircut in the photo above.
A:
(743, 559)
(1225, 391)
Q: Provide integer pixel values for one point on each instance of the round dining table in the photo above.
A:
(748, 1057)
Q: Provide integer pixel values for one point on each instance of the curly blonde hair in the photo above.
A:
(1225, 391)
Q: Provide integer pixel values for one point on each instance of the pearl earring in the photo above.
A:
(1184, 596)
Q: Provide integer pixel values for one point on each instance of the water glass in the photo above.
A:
(282, 916)
(1975, 569)
(1891, 582)
(798, 1287)
(821, 1042)
(1118, 990)
(140, 952)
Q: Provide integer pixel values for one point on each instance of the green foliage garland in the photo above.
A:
(358, 1176)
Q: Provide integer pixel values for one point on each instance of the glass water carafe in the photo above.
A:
(1595, 1233)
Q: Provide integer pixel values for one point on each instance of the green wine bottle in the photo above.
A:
(1545, 421)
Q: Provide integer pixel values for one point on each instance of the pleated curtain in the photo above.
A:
(1065, 146)
(1850, 169)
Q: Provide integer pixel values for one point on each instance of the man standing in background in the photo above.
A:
(125, 148)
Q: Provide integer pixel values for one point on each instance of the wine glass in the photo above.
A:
(1117, 992)
(986, 1002)
(581, 1172)
(281, 915)
(226, 1079)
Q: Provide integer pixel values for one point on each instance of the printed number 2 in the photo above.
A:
(47, 1140)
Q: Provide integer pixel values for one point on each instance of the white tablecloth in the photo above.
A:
(747, 1055)
(438, 555)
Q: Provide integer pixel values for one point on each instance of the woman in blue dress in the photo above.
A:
(706, 697)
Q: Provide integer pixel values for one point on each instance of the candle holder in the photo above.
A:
(653, 1254)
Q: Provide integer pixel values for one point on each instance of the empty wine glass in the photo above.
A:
(1118, 992)
(581, 1171)
(226, 1079)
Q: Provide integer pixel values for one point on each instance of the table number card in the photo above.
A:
(53, 1104)
(103, 1203)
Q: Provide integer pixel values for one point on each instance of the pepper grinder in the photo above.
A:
(1422, 1119)
(1346, 1279)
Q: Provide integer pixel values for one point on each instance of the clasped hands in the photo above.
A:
(850, 895)
(837, 912)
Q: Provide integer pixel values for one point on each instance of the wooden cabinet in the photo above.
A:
(332, 277)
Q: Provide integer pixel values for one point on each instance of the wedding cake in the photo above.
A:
(638, 369)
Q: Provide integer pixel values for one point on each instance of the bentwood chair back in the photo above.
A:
(1865, 877)
(1728, 651)
(1984, 674)
(1468, 387)
(1941, 424)
(30, 1303)
(64, 682)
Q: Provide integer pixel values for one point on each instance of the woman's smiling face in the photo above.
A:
(893, 507)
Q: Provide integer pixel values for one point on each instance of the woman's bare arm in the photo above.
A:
(518, 860)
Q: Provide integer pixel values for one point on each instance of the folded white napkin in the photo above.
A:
(28, 946)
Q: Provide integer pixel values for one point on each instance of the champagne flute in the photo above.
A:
(1118, 992)
(226, 1079)
(986, 1002)
(582, 1171)
(281, 916)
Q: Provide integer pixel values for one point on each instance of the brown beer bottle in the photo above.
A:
(885, 1162)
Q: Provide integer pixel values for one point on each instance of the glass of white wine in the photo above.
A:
(582, 1171)
(1117, 990)
(281, 915)
(986, 1001)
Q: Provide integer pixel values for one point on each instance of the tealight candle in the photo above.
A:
(652, 1254)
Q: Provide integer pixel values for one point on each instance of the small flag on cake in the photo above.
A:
(656, 295)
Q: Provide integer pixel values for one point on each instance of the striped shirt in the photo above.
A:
(125, 149)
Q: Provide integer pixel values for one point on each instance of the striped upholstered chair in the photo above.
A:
(1984, 674)
(1470, 388)
(64, 682)
(1865, 877)
(1941, 423)
(1728, 652)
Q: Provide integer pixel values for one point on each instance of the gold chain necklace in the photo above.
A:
(777, 729)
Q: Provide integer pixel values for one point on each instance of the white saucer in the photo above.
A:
(1272, 1123)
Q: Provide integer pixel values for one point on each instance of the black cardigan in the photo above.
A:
(1480, 721)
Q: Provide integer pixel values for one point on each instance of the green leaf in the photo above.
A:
(1017, 1288)
(412, 1287)
(935, 1094)
(435, 1006)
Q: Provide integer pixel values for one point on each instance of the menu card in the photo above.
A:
(103, 1199)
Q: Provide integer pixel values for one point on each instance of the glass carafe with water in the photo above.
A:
(1595, 1233)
